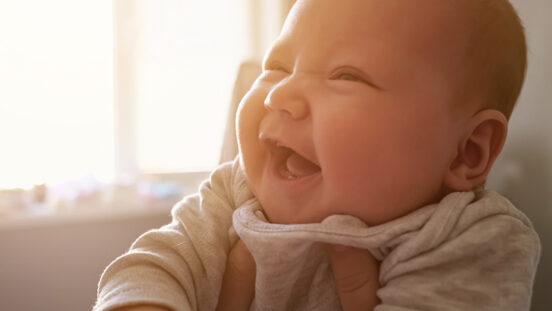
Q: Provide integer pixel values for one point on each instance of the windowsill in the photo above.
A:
(76, 217)
(127, 204)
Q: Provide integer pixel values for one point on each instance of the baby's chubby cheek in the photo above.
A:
(252, 156)
(359, 185)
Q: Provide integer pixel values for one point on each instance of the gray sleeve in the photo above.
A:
(180, 265)
(489, 265)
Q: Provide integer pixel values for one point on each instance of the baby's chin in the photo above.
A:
(288, 219)
(287, 214)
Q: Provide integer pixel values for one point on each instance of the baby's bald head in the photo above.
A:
(496, 55)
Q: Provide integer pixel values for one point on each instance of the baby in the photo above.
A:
(373, 125)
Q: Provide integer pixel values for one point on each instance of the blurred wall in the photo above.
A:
(524, 170)
(56, 266)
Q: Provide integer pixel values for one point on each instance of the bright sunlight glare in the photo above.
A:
(56, 98)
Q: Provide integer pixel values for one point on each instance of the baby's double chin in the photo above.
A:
(287, 214)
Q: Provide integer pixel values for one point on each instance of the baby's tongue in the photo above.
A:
(299, 166)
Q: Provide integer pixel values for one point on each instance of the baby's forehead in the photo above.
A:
(425, 22)
(421, 23)
(419, 30)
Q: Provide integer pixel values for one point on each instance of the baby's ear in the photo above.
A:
(477, 151)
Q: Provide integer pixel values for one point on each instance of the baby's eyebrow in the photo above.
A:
(278, 51)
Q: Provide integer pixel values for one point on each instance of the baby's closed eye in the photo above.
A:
(346, 76)
(351, 74)
(276, 66)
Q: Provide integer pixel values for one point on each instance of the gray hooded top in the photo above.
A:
(471, 251)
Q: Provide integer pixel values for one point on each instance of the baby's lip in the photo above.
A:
(273, 144)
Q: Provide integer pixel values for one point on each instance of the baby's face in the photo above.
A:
(352, 113)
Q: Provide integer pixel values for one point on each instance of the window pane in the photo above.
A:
(185, 61)
(55, 91)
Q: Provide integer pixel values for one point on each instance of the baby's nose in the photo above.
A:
(289, 97)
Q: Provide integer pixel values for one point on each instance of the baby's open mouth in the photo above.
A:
(291, 165)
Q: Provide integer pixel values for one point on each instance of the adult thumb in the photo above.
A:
(238, 283)
(356, 275)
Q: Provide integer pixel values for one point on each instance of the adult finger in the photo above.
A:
(238, 283)
(356, 274)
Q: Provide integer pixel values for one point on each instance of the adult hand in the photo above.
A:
(238, 282)
(355, 271)
(356, 274)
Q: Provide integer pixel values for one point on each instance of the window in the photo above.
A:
(56, 91)
(183, 60)
(168, 64)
